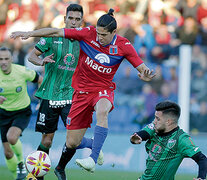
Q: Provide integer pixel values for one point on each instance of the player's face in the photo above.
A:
(73, 19)
(104, 37)
(159, 122)
(5, 61)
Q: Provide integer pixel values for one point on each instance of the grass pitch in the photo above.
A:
(78, 174)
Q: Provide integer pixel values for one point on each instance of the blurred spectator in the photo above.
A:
(198, 121)
(149, 98)
(173, 17)
(18, 52)
(24, 22)
(185, 34)
(201, 38)
(167, 94)
(173, 81)
(155, 13)
(202, 11)
(188, 8)
(144, 41)
(47, 14)
(158, 80)
(199, 57)
(9, 13)
(129, 84)
(198, 87)
(30, 6)
(162, 49)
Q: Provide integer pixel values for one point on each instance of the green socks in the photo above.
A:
(17, 149)
(12, 165)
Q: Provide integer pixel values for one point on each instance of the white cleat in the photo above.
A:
(88, 164)
(100, 159)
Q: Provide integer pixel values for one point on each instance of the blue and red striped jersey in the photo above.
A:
(98, 64)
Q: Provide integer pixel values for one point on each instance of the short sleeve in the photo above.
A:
(186, 146)
(29, 74)
(44, 44)
(149, 129)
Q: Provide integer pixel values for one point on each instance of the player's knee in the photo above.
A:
(12, 140)
(72, 144)
(102, 113)
(47, 142)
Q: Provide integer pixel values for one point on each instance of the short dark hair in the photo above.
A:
(169, 108)
(107, 21)
(3, 48)
(74, 7)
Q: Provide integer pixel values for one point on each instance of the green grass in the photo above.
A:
(76, 174)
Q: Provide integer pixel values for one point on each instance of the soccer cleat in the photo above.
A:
(31, 177)
(21, 171)
(88, 164)
(60, 173)
(100, 159)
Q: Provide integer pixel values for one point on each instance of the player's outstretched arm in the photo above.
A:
(44, 32)
(145, 73)
(201, 160)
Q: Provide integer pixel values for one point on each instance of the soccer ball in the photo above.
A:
(38, 163)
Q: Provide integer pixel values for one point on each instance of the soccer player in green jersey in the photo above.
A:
(167, 145)
(15, 109)
(60, 60)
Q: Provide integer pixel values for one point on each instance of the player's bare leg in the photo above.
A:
(102, 109)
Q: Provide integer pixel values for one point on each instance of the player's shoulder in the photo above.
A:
(123, 42)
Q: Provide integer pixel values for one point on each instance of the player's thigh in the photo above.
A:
(47, 119)
(64, 113)
(13, 134)
(22, 119)
(4, 129)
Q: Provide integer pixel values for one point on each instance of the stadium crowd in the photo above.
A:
(156, 28)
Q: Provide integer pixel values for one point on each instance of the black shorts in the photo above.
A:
(18, 119)
(48, 115)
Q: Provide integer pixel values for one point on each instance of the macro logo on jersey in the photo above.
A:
(96, 67)
(102, 58)
(171, 143)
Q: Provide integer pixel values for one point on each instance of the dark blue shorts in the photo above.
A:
(18, 119)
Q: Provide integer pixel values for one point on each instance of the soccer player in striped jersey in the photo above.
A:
(167, 145)
(15, 110)
(102, 51)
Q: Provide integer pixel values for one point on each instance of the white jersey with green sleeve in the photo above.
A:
(166, 152)
(13, 87)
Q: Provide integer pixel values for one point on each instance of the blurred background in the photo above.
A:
(162, 32)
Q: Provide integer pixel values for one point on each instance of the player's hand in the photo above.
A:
(146, 75)
(2, 99)
(135, 139)
(22, 34)
(48, 59)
